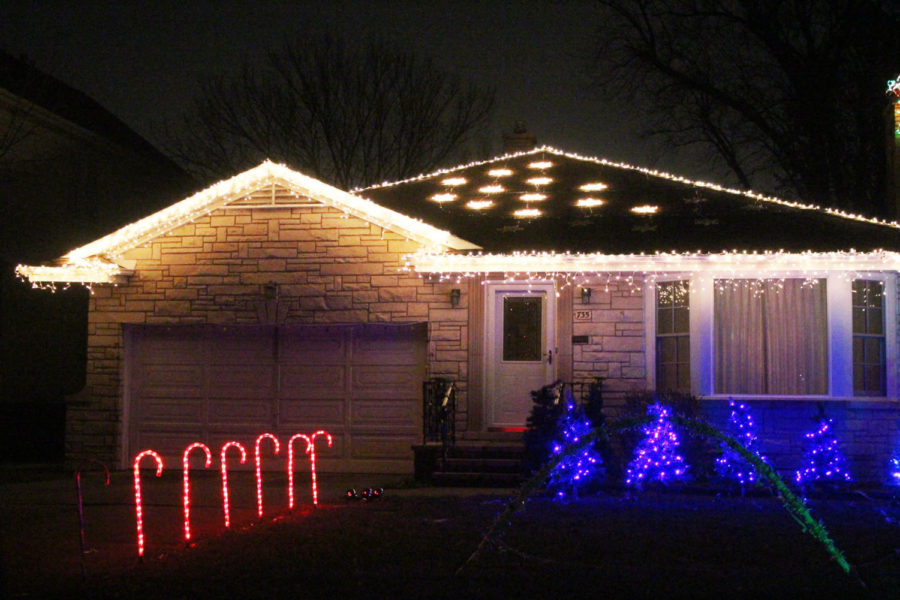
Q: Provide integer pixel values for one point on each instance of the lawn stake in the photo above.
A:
(137, 495)
(186, 465)
(259, 493)
(82, 467)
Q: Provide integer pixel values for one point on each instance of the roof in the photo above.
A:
(589, 205)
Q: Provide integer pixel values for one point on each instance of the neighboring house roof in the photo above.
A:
(628, 210)
(268, 185)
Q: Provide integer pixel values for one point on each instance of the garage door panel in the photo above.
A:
(381, 447)
(235, 346)
(241, 381)
(170, 345)
(172, 410)
(303, 413)
(175, 381)
(170, 444)
(385, 382)
(314, 345)
(312, 381)
(386, 414)
(244, 413)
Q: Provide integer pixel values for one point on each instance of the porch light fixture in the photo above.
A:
(585, 295)
(593, 187)
(589, 202)
(539, 180)
(645, 209)
(453, 181)
(491, 189)
(526, 213)
(500, 172)
(454, 297)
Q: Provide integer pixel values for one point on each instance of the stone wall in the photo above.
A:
(259, 266)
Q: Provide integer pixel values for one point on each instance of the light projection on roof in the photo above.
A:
(533, 197)
(645, 209)
(593, 187)
(539, 180)
(500, 172)
(479, 204)
(527, 213)
(454, 181)
(589, 202)
(492, 189)
(446, 197)
(540, 164)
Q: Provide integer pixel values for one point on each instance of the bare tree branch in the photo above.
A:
(347, 114)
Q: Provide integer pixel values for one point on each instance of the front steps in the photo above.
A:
(472, 463)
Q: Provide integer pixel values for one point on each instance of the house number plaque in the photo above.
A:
(582, 315)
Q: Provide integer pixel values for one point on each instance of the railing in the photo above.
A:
(439, 411)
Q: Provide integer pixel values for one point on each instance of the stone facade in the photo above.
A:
(259, 266)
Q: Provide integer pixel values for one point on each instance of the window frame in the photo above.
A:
(839, 313)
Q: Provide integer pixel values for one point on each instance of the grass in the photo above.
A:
(411, 543)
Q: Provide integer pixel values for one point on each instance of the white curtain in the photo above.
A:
(771, 337)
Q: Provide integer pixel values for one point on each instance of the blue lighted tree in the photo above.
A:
(730, 465)
(574, 470)
(656, 456)
(823, 458)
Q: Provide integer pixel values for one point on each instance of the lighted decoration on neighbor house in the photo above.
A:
(656, 456)
(741, 427)
(186, 484)
(138, 501)
(225, 505)
(825, 463)
(574, 470)
(259, 492)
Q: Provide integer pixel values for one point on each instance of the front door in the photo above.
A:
(520, 349)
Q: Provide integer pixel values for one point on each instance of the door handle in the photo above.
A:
(550, 357)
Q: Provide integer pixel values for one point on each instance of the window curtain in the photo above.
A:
(771, 337)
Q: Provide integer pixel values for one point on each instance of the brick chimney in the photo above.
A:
(519, 140)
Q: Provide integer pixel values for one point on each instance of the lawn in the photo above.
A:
(412, 542)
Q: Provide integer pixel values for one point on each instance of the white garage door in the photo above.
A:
(361, 383)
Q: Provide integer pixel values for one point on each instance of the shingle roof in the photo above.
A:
(679, 215)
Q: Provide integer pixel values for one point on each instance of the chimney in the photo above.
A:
(519, 140)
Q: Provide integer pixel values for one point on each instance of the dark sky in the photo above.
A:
(143, 63)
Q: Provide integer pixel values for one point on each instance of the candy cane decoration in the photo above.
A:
(312, 462)
(187, 485)
(225, 477)
(259, 494)
(291, 465)
(137, 494)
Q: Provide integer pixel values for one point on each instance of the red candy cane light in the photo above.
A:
(187, 486)
(225, 477)
(312, 462)
(291, 464)
(137, 494)
(259, 493)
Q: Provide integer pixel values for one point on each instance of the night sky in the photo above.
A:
(143, 63)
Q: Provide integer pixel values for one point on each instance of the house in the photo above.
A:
(273, 302)
(69, 171)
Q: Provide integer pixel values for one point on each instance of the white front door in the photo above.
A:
(521, 350)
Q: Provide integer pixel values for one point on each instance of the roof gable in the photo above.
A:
(268, 185)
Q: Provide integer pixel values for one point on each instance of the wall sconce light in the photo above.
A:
(585, 295)
(454, 297)
(270, 291)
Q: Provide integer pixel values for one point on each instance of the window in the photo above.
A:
(522, 328)
(868, 338)
(673, 339)
(770, 336)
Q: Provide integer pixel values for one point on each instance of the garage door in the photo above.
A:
(361, 383)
